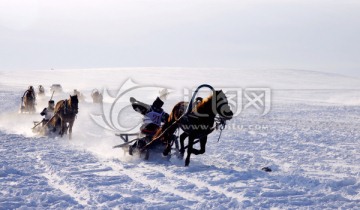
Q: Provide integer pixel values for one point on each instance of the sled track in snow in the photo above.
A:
(162, 178)
(196, 182)
(315, 166)
(138, 174)
(58, 182)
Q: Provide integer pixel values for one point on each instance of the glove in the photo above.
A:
(132, 100)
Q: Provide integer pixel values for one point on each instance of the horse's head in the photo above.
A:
(73, 102)
(222, 105)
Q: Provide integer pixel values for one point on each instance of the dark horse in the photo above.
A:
(29, 102)
(197, 123)
(65, 111)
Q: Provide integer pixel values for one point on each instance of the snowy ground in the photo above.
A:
(310, 139)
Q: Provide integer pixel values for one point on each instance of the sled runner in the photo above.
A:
(43, 128)
(136, 146)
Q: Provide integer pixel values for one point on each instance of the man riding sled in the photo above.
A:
(154, 115)
(48, 112)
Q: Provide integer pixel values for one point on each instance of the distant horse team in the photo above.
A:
(57, 119)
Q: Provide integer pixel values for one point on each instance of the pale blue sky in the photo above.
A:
(319, 35)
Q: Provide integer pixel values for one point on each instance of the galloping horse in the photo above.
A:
(198, 123)
(65, 111)
(29, 101)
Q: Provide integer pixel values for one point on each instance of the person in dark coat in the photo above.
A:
(154, 115)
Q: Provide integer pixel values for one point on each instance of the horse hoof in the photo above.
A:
(167, 158)
(180, 155)
(187, 162)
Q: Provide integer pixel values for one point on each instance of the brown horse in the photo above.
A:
(65, 111)
(197, 123)
(29, 102)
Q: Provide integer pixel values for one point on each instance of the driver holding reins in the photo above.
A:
(48, 112)
(154, 115)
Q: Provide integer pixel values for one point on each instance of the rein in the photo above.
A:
(222, 123)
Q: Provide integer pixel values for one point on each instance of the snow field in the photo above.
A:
(310, 139)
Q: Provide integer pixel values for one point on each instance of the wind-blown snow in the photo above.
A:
(310, 139)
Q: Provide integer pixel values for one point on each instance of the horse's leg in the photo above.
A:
(66, 128)
(190, 150)
(168, 138)
(26, 107)
(71, 123)
(61, 126)
(168, 147)
(183, 136)
(182, 139)
(203, 141)
(57, 124)
(33, 107)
